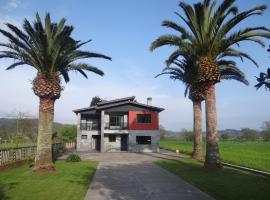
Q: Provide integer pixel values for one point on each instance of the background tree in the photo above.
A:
(162, 132)
(211, 35)
(225, 136)
(187, 135)
(68, 133)
(53, 52)
(249, 134)
(266, 131)
(95, 100)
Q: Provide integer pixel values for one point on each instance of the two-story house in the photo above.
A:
(119, 125)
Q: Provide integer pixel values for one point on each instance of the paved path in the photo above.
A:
(130, 176)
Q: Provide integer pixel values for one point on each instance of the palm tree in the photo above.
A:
(185, 71)
(211, 35)
(51, 50)
(264, 79)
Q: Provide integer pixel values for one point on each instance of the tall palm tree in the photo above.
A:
(52, 51)
(185, 71)
(211, 35)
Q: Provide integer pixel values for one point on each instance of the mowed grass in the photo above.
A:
(173, 145)
(249, 154)
(226, 184)
(69, 182)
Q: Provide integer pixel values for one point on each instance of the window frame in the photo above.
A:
(84, 137)
(89, 124)
(145, 141)
(112, 138)
(118, 120)
(144, 118)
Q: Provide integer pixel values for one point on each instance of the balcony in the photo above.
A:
(116, 126)
(116, 122)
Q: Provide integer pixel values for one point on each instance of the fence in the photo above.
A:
(70, 145)
(13, 155)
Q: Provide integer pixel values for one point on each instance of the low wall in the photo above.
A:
(10, 156)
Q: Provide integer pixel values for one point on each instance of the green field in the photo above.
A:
(226, 184)
(69, 182)
(249, 154)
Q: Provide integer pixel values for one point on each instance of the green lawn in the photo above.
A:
(172, 145)
(69, 182)
(226, 184)
(250, 154)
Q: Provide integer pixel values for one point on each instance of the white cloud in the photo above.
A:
(10, 4)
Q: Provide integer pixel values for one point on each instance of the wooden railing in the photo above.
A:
(13, 155)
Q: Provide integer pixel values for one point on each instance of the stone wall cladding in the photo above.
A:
(112, 146)
(134, 147)
(85, 144)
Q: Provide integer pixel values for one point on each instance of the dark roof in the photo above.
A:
(105, 102)
(118, 102)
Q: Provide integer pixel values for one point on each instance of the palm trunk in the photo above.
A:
(197, 129)
(43, 161)
(212, 160)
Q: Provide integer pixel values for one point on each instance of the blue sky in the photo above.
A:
(124, 30)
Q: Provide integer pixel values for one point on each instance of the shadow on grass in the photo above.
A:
(222, 184)
(4, 187)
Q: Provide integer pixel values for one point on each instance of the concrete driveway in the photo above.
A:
(131, 176)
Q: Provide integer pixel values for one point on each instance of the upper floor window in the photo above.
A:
(116, 120)
(143, 118)
(89, 124)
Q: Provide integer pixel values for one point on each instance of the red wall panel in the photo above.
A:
(134, 125)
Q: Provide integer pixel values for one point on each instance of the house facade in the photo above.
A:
(118, 125)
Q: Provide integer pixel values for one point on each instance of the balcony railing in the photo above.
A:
(119, 126)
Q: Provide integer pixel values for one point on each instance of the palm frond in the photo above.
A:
(48, 47)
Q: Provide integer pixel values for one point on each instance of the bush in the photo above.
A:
(30, 161)
(73, 158)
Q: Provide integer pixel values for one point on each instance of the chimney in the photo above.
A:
(149, 101)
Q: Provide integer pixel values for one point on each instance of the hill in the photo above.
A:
(27, 127)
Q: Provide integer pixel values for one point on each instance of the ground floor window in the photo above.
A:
(112, 138)
(143, 139)
(84, 137)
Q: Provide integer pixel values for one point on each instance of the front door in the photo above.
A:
(124, 142)
(96, 142)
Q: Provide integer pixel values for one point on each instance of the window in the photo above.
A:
(143, 139)
(143, 118)
(115, 120)
(112, 138)
(89, 124)
(84, 137)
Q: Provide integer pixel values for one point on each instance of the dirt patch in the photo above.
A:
(13, 165)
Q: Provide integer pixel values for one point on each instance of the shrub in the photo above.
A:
(30, 161)
(73, 158)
